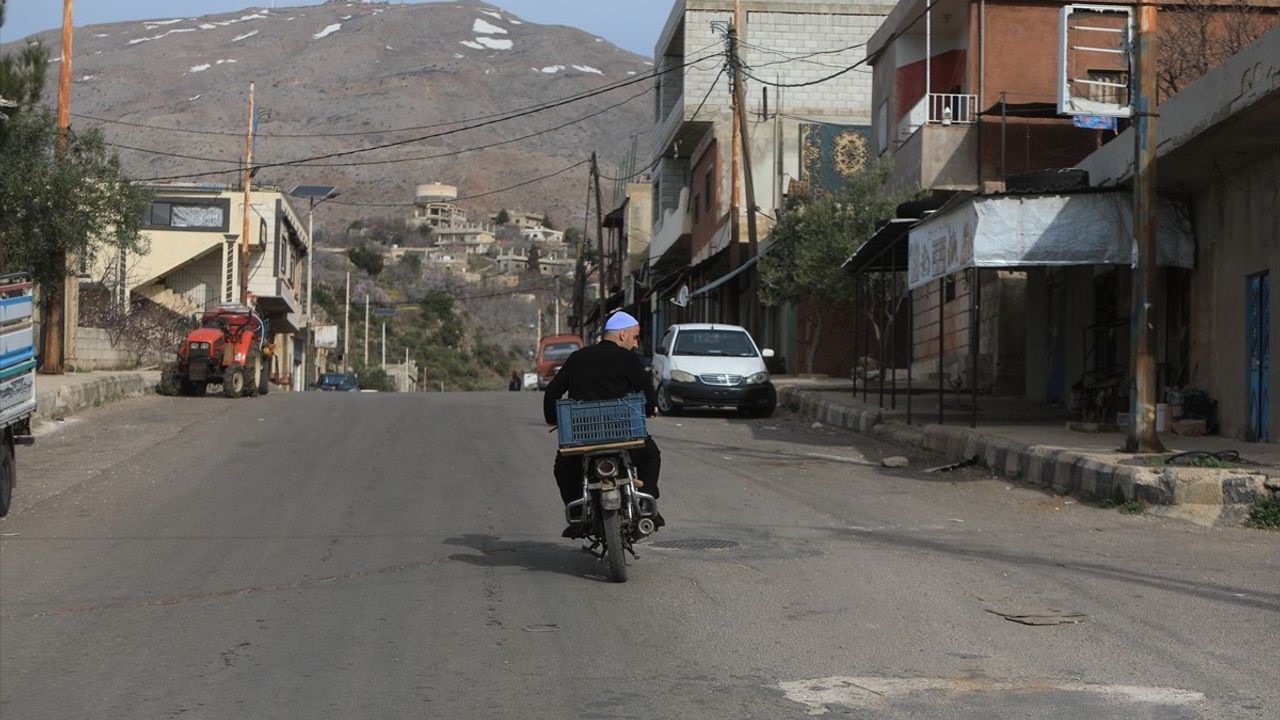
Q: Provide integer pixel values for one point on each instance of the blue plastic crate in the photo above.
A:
(594, 422)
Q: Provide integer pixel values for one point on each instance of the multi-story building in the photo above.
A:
(807, 125)
(965, 96)
(1021, 271)
(193, 259)
(467, 239)
(435, 205)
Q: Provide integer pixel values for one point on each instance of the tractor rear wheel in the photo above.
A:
(233, 381)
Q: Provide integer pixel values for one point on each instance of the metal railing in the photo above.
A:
(946, 108)
(939, 109)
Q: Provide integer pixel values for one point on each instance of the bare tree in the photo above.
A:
(145, 330)
(1196, 36)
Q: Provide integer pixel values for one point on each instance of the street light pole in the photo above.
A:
(315, 194)
(308, 351)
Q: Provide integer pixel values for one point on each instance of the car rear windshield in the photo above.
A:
(559, 351)
(726, 343)
(333, 378)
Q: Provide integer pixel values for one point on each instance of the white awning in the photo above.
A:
(1020, 231)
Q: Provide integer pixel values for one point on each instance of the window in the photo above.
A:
(666, 343)
(696, 206)
(188, 214)
(722, 343)
(1109, 93)
(882, 127)
(708, 188)
(950, 284)
(262, 231)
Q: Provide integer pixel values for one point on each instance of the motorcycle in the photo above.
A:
(613, 513)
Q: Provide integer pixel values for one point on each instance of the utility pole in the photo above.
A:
(244, 234)
(366, 330)
(557, 303)
(346, 327)
(602, 302)
(739, 101)
(406, 370)
(735, 170)
(384, 346)
(56, 329)
(1142, 326)
(580, 272)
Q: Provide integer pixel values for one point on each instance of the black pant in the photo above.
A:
(648, 462)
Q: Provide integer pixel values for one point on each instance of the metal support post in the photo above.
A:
(942, 349)
(911, 348)
(893, 341)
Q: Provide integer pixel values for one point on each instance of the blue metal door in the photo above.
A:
(1258, 339)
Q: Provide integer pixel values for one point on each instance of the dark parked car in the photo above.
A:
(338, 382)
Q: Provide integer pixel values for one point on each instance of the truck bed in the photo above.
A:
(17, 350)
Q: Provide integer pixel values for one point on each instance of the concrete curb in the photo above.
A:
(1065, 471)
(63, 402)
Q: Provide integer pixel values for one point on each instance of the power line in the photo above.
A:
(658, 159)
(655, 72)
(469, 197)
(798, 58)
(414, 158)
(852, 67)
(431, 136)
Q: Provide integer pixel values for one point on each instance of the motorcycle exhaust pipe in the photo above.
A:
(645, 527)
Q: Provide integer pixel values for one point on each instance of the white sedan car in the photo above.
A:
(709, 365)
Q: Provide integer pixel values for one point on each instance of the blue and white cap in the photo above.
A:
(620, 321)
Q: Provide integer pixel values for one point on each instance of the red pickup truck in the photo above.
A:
(553, 350)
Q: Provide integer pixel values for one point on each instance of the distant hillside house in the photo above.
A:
(522, 220)
(542, 235)
(435, 205)
(471, 240)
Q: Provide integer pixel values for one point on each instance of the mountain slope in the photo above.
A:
(362, 69)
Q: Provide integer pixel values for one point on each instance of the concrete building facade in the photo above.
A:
(793, 50)
(193, 259)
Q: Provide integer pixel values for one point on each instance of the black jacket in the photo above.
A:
(602, 371)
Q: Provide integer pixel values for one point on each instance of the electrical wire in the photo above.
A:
(655, 72)
(798, 58)
(659, 159)
(851, 68)
(430, 136)
(460, 198)
(413, 158)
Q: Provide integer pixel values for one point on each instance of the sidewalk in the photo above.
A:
(60, 396)
(1045, 453)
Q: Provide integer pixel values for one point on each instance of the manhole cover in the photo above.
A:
(696, 544)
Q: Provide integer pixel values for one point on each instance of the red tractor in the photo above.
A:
(227, 349)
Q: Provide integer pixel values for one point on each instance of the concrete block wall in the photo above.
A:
(95, 352)
(771, 36)
(699, 41)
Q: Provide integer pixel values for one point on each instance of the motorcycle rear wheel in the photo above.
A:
(615, 553)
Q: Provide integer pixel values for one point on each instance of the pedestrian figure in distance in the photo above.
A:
(515, 383)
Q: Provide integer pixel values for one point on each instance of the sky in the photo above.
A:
(630, 24)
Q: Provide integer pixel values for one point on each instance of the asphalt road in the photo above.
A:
(381, 556)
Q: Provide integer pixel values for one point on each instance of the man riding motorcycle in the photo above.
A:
(608, 370)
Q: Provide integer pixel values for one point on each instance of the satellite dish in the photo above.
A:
(682, 296)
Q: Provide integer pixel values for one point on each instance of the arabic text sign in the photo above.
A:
(942, 247)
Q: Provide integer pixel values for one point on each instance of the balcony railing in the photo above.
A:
(939, 109)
